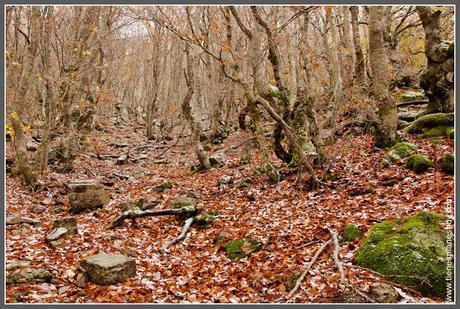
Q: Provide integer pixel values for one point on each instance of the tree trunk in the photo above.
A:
(359, 63)
(437, 79)
(187, 110)
(20, 99)
(385, 133)
(349, 46)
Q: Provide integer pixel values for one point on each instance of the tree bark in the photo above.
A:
(359, 63)
(437, 79)
(387, 115)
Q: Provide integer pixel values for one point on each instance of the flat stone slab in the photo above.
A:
(29, 275)
(106, 269)
(81, 185)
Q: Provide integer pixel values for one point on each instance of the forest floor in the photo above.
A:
(285, 217)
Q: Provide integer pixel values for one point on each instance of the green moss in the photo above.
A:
(409, 249)
(411, 96)
(181, 202)
(436, 131)
(351, 232)
(240, 248)
(450, 132)
(448, 163)
(435, 141)
(386, 163)
(400, 151)
(221, 237)
(292, 280)
(430, 121)
(419, 163)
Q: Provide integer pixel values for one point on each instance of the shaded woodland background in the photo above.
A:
(256, 113)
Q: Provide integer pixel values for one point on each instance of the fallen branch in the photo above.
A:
(310, 264)
(182, 235)
(335, 255)
(136, 213)
(414, 102)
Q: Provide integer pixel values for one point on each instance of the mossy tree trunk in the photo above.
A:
(437, 79)
(387, 115)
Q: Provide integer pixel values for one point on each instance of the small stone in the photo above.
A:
(47, 201)
(162, 187)
(13, 219)
(225, 180)
(161, 161)
(251, 196)
(16, 264)
(384, 293)
(106, 269)
(39, 209)
(122, 159)
(81, 279)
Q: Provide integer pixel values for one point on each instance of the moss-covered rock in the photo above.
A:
(221, 237)
(430, 121)
(419, 163)
(205, 218)
(408, 251)
(437, 131)
(181, 202)
(386, 163)
(447, 163)
(411, 96)
(400, 151)
(351, 232)
(162, 187)
(292, 279)
(240, 248)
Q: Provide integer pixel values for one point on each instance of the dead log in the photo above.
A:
(136, 213)
(414, 102)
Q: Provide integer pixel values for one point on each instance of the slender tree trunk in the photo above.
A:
(378, 55)
(349, 46)
(359, 64)
(187, 110)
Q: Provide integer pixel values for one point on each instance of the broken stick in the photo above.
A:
(335, 255)
(182, 235)
(310, 264)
